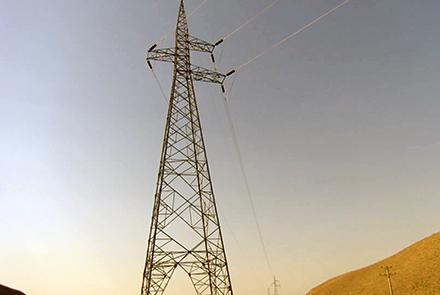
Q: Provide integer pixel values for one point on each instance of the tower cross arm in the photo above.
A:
(200, 45)
(161, 54)
(206, 75)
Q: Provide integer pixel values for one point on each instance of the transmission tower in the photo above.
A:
(185, 231)
(276, 285)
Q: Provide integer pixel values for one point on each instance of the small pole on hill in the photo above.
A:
(388, 274)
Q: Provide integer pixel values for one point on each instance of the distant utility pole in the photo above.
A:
(276, 285)
(388, 274)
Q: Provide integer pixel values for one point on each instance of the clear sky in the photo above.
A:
(339, 130)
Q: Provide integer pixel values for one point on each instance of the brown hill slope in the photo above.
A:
(8, 291)
(417, 273)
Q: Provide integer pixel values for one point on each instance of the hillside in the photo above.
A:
(8, 291)
(417, 271)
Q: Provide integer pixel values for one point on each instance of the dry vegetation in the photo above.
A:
(417, 273)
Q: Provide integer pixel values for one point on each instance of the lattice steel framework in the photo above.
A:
(185, 230)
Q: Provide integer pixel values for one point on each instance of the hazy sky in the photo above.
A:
(339, 130)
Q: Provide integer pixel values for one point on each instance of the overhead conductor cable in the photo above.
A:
(251, 19)
(294, 34)
(244, 175)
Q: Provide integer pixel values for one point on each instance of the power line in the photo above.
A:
(160, 85)
(197, 8)
(226, 97)
(248, 21)
(294, 34)
(227, 110)
(231, 123)
(221, 53)
(232, 86)
(242, 252)
(246, 181)
(251, 19)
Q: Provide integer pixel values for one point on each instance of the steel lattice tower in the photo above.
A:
(185, 230)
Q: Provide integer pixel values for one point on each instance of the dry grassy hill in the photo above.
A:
(417, 273)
